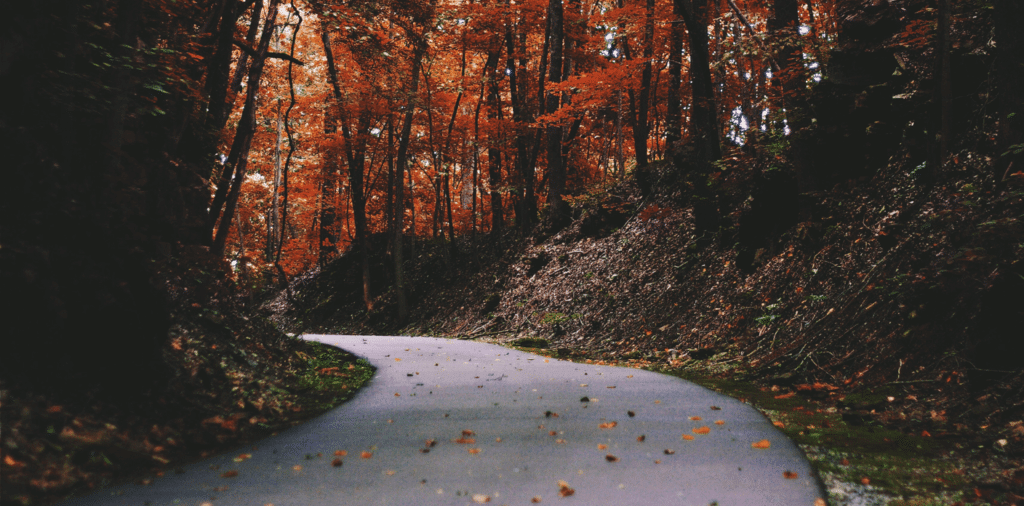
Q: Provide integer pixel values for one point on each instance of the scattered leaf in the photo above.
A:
(536, 499)
(631, 414)
(480, 498)
(779, 424)
(820, 502)
(431, 443)
(390, 472)
(296, 468)
(865, 480)
(229, 474)
(474, 451)
(763, 444)
(785, 396)
(789, 475)
(611, 458)
(701, 430)
(641, 438)
(608, 425)
(715, 408)
(719, 422)
(553, 433)
(695, 418)
(564, 490)
(611, 386)
(669, 451)
(336, 462)
(467, 432)
(687, 437)
(340, 453)
(602, 446)
(465, 440)
(366, 455)
(844, 462)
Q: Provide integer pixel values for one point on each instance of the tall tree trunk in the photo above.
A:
(400, 163)
(703, 115)
(238, 158)
(673, 104)
(274, 226)
(641, 130)
(556, 168)
(1009, 18)
(493, 139)
(219, 67)
(355, 154)
(526, 211)
(944, 87)
(242, 66)
(129, 14)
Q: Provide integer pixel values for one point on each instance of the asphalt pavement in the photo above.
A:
(449, 422)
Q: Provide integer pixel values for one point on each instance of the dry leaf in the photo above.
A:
(564, 490)
(366, 455)
(552, 433)
(669, 452)
(715, 408)
(497, 440)
(536, 499)
(336, 462)
(785, 396)
(480, 498)
(631, 414)
(611, 458)
(340, 453)
(474, 451)
(389, 472)
(779, 424)
(602, 446)
(229, 474)
(465, 440)
(560, 441)
(719, 422)
(701, 430)
(844, 462)
(608, 425)
(865, 480)
(467, 432)
(761, 445)
(695, 418)
(687, 437)
(296, 468)
(820, 502)
(424, 450)
(641, 438)
(789, 475)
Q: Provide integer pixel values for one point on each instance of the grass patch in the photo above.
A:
(332, 376)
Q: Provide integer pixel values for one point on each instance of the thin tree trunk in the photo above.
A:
(400, 163)
(556, 168)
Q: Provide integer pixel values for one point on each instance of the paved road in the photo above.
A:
(447, 422)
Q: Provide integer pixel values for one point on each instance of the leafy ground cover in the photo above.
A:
(231, 378)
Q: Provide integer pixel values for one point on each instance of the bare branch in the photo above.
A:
(252, 52)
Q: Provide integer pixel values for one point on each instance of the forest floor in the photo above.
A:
(233, 378)
(881, 331)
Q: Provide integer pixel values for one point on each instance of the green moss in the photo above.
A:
(331, 377)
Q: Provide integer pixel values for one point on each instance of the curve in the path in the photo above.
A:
(447, 422)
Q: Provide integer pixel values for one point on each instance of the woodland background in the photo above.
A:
(614, 177)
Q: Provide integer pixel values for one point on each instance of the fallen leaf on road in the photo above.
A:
(695, 418)
(480, 498)
(701, 430)
(467, 432)
(719, 422)
(564, 490)
(602, 446)
(336, 462)
(761, 445)
(779, 424)
(789, 475)
(608, 425)
(715, 408)
(229, 474)
(641, 438)
(536, 499)
(631, 414)
(389, 472)
(340, 453)
(465, 441)
(474, 451)
(366, 455)
(669, 452)
(687, 437)
(611, 458)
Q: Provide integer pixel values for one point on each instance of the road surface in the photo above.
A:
(448, 422)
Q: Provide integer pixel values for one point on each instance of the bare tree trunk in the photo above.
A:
(400, 163)
(273, 227)
(556, 167)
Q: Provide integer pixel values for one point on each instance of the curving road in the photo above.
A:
(447, 422)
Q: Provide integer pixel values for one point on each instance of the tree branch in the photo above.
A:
(252, 52)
